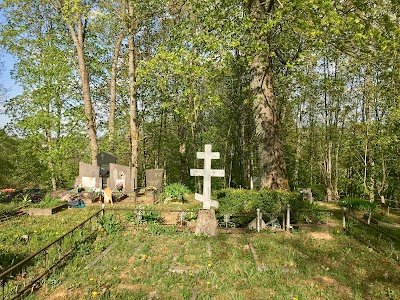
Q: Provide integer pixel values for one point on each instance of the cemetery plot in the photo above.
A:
(23, 236)
(144, 264)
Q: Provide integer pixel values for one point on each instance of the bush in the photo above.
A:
(176, 191)
(48, 202)
(353, 204)
(271, 203)
(268, 201)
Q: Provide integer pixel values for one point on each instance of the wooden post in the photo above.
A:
(344, 218)
(258, 220)
(283, 221)
(388, 210)
(288, 218)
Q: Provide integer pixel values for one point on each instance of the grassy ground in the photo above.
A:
(25, 235)
(176, 266)
(152, 264)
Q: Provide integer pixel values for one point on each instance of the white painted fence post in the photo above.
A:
(288, 218)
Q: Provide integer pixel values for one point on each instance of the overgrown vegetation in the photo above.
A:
(353, 204)
(176, 191)
(142, 216)
(48, 202)
(109, 224)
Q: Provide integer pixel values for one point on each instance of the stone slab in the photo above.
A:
(206, 223)
(120, 173)
(155, 178)
(36, 211)
(89, 176)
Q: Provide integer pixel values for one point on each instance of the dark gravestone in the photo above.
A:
(155, 178)
(104, 160)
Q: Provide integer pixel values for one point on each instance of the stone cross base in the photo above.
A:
(206, 222)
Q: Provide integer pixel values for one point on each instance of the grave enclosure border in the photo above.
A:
(61, 248)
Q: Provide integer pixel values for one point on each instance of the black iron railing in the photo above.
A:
(375, 238)
(25, 276)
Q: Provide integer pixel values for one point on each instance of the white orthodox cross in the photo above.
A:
(207, 173)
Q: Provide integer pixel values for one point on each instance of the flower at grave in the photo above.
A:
(208, 283)
(91, 278)
(94, 293)
(119, 186)
(35, 231)
(115, 268)
(209, 265)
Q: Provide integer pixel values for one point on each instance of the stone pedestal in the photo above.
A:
(206, 222)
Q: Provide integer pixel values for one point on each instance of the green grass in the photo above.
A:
(174, 265)
(295, 267)
(25, 235)
(10, 208)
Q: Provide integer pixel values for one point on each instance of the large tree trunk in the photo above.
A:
(78, 38)
(273, 166)
(132, 96)
(113, 94)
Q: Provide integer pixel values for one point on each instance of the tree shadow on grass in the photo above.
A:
(350, 263)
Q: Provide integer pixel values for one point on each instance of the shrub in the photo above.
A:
(176, 191)
(353, 204)
(48, 202)
(271, 203)
(268, 201)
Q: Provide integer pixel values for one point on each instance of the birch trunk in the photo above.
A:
(113, 94)
(132, 97)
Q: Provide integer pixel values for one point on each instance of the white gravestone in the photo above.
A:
(207, 173)
(88, 182)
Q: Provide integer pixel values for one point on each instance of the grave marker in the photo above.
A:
(155, 178)
(206, 221)
(207, 173)
(88, 177)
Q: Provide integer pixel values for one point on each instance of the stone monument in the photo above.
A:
(155, 178)
(121, 175)
(88, 177)
(206, 220)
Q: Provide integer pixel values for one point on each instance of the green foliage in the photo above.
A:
(354, 204)
(176, 191)
(9, 208)
(154, 228)
(109, 224)
(268, 201)
(143, 216)
(48, 202)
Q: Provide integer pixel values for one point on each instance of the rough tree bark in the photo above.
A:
(78, 36)
(134, 129)
(273, 166)
(113, 93)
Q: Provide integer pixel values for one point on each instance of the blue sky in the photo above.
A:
(7, 82)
